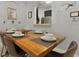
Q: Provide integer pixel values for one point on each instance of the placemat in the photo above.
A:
(42, 42)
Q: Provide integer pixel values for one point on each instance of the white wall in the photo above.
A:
(63, 23)
(21, 15)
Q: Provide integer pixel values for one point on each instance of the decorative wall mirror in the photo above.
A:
(43, 13)
(11, 13)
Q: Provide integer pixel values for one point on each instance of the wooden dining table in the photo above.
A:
(33, 45)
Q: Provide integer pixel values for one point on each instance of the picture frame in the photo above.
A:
(11, 14)
(74, 14)
(30, 14)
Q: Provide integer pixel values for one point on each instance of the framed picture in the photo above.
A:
(11, 13)
(30, 14)
(74, 14)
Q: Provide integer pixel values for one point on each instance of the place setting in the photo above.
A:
(38, 32)
(46, 40)
(48, 37)
(15, 33)
(10, 30)
(18, 34)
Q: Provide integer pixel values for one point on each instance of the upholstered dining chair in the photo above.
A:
(69, 53)
(12, 52)
(3, 45)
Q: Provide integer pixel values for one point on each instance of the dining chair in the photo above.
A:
(12, 50)
(69, 53)
(3, 46)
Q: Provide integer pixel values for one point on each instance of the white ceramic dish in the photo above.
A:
(10, 31)
(17, 35)
(48, 39)
(48, 34)
(38, 32)
(13, 29)
(17, 32)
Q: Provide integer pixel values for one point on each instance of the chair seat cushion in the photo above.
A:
(58, 50)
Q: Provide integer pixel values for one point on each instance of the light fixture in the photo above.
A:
(69, 5)
(47, 2)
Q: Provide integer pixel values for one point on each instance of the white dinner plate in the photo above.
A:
(38, 32)
(17, 35)
(10, 31)
(48, 39)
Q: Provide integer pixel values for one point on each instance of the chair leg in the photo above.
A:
(2, 51)
(6, 52)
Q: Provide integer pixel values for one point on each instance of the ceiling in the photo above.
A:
(39, 3)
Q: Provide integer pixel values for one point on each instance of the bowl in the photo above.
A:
(48, 38)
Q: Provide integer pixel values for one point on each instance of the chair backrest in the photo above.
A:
(2, 39)
(71, 49)
(10, 47)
